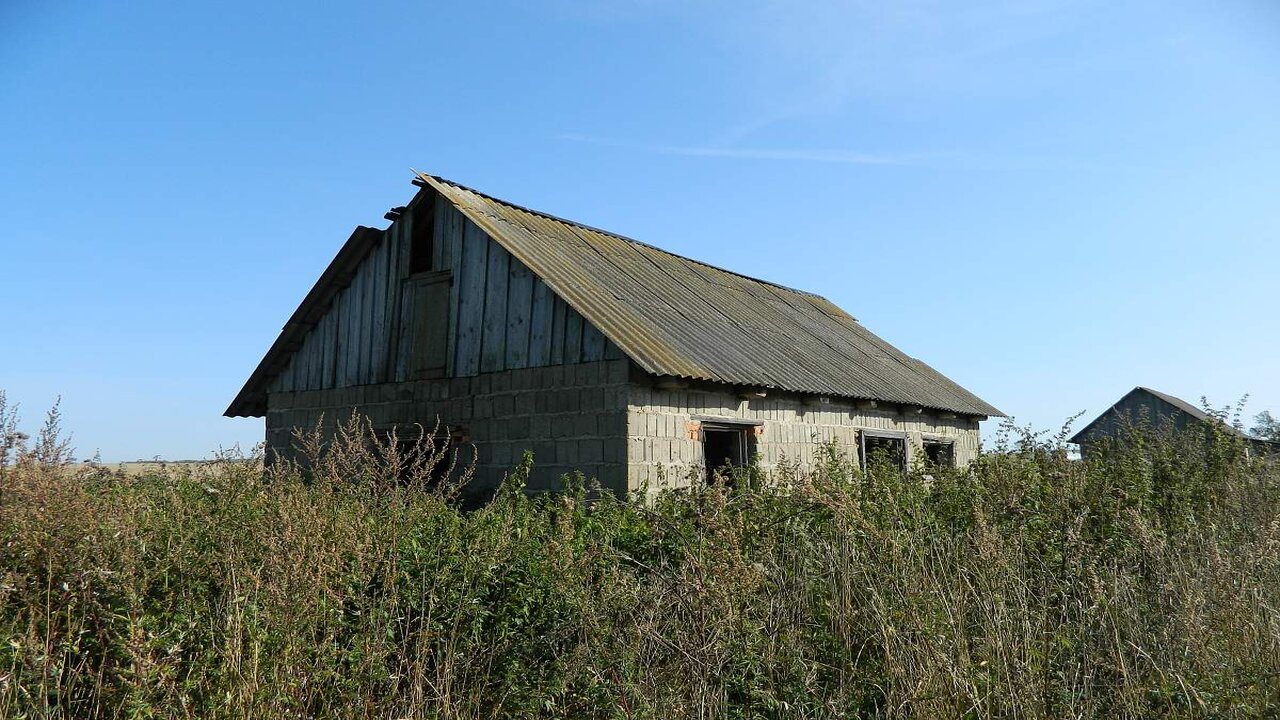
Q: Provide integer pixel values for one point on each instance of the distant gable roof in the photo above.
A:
(1177, 403)
(678, 317)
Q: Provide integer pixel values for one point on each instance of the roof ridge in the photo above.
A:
(610, 233)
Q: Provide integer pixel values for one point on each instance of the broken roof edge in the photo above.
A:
(422, 178)
(335, 277)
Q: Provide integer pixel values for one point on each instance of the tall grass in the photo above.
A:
(1142, 583)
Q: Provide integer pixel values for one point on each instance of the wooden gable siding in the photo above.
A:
(1135, 408)
(501, 316)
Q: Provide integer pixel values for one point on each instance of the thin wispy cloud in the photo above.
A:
(950, 159)
(746, 153)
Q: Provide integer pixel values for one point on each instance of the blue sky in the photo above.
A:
(1050, 202)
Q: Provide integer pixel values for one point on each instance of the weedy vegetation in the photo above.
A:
(1141, 582)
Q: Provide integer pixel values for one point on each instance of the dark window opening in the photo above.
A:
(725, 447)
(878, 450)
(940, 453)
(423, 458)
(422, 241)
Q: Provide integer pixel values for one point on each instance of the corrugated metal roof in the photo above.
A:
(679, 317)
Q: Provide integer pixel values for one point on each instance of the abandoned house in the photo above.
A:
(519, 330)
(1146, 407)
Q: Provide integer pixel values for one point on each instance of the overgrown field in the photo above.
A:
(1142, 584)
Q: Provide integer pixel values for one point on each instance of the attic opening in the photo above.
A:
(726, 446)
(883, 448)
(422, 239)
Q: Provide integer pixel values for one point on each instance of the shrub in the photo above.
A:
(1139, 583)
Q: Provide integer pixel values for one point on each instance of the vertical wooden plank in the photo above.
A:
(338, 311)
(453, 231)
(612, 351)
(371, 263)
(286, 377)
(391, 299)
(359, 329)
(351, 334)
(405, 350)
(326, 371)
(558, 318)
(318, 347)
(592, 343)
(309, 351)
(351, 296)
(299, 367)
(366, 315)
(378, 305)
(350, 337)
(439, 236)
(540, 324)
(314, 357)
(471, 300)
(493, 351)
(389, 267)
(519, 308)
(455, 224)
(572, 337)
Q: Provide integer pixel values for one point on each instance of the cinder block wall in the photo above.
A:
(572, 417)
(663, 442)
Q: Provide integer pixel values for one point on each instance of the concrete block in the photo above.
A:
(591, 398)
(614, 449)
(498, 453)
(503, 406)
(523, 403)
(567, 452)
(569, 401)
(543, 426)
(544, 453)
(617, 372)
(518, 427)
(557, 426)
(613, 423)
(585, 425)
(637, 449)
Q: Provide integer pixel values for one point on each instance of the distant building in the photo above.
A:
(520, 330)
(1158, 410)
